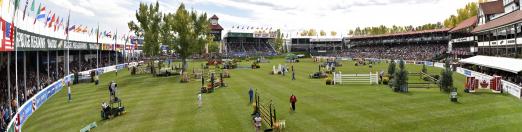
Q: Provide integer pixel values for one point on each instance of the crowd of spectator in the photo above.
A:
(417, 52)
(32, 83)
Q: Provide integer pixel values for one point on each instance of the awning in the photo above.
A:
(500, 63)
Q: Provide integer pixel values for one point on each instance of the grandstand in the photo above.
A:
(413, 45)
(242, 43)
(319, 45)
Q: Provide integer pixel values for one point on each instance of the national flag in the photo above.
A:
(51, 22)
(57, 23)
(71, 28)
(67, 24)
(61, 23)
(25, 8)
(48, 19)
(32, 5)
(8, 34)
(40, 13)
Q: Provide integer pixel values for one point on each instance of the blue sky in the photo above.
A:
(290, 15)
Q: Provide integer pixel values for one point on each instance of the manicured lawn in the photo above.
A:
(164, 104)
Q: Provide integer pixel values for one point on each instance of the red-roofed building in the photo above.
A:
(215, 28)
(498, 31)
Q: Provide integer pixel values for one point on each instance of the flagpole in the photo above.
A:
(68, 47)
(16, 53)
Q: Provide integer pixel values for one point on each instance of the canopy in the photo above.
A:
(500, 63)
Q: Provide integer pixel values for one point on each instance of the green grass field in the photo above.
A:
(164, 104)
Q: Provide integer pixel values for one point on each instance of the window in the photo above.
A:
(519, 29)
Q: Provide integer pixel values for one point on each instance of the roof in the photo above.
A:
(403, 33)
(501, 21)
(472, 21)
(214, 17)
(501, 63)
(216, 27)
(492, 7)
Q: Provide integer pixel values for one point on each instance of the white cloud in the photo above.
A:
(289, 15)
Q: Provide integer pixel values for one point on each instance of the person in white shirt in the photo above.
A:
(69, 93)
(257, 122)
(200, 100)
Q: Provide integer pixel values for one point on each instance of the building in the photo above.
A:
(242, 43)
(316, 45)
(499, 28)
(215, 28)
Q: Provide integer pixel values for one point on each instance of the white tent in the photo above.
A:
(500, 63)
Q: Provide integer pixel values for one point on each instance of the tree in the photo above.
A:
(470, 10)
(446, 80)
(191, 31)
(391, 68)
(424, 69)
(333, 33)
(400, 79)
(213, 47)
(322, 33)
(279, 40)
(312, 32)
(149, 18)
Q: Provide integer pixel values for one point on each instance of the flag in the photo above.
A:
(61, 23)
(25, 8)
(16, 4)
(48, 19)
(7, 37)
(70, 28)
(40, 13)
(32, 5)
(56, 24)
(67, 24)
(51, 22)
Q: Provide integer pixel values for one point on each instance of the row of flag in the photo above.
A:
(251, 27)
(53, 21)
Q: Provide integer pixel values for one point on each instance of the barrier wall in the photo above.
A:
(32, 104)
(507, 86)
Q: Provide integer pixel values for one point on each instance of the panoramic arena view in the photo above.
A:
(260, 65)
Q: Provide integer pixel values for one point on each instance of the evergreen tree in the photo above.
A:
(391, 68)
(400, 79)
(446, 80)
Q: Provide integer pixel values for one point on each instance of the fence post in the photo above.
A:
(271, 119)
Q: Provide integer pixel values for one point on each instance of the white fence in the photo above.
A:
(340, 78)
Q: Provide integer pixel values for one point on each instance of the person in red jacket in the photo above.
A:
(293, 100)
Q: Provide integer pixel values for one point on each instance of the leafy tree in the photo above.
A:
(279, 40)
(312, 32)
(148, 17)
(446, 80)
(401, 78)
(470, 10)
(333, 33)
(391, 68)
(322, 33)
(191, 33)
(213, 47)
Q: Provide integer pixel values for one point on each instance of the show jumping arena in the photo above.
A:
(165, 104)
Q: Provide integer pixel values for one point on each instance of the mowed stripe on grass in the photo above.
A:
(164, 104)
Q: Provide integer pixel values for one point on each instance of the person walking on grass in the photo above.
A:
(257, 122)
(293, 100)
(251, 95)
(69, 92)
(200, 100)
(293, 75)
